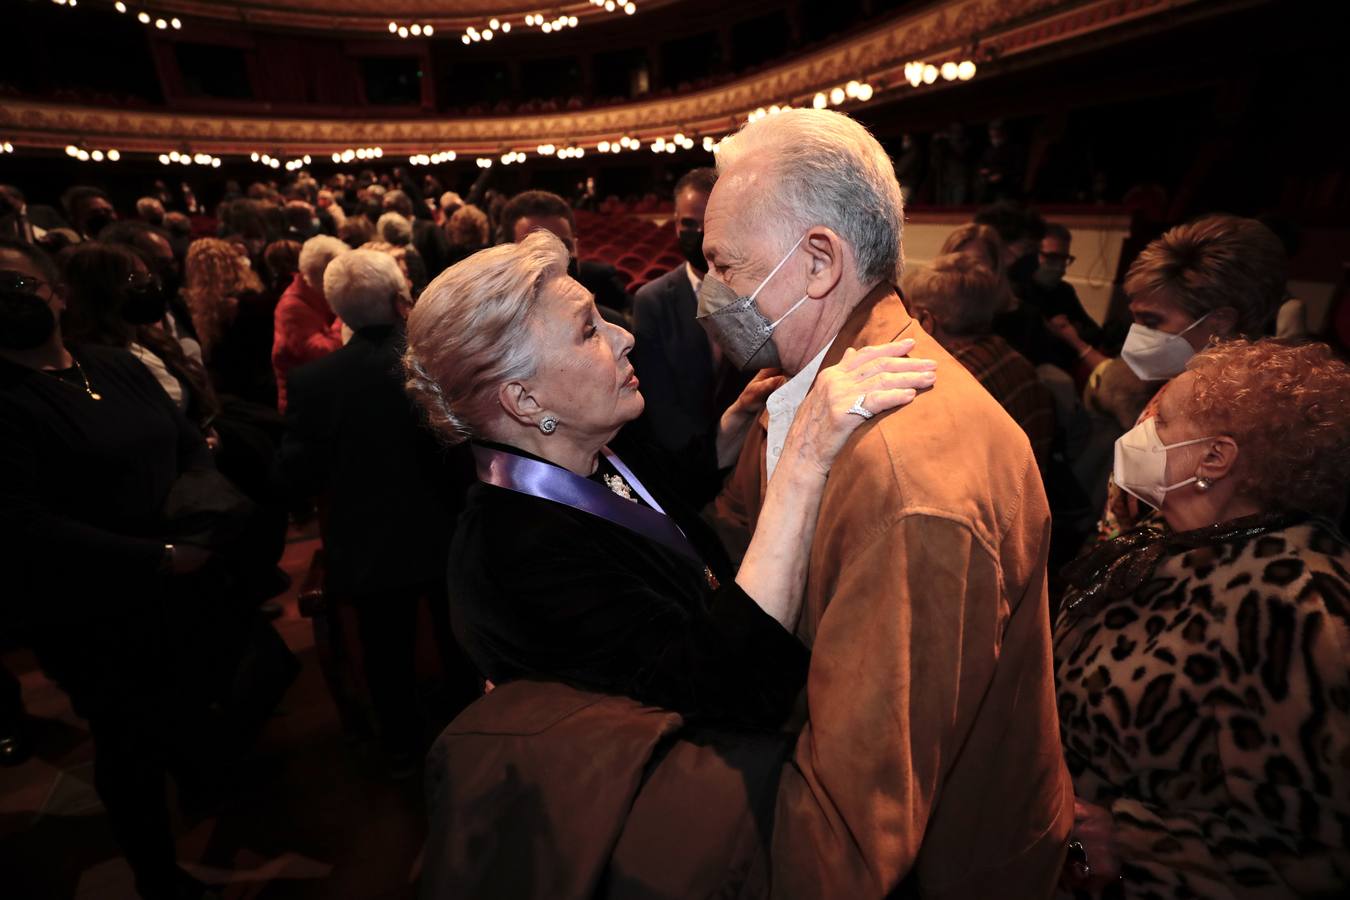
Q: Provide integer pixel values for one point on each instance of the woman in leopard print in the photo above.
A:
(1204, 681)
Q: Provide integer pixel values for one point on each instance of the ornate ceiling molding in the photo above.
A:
(1003, 28)
(373, 16)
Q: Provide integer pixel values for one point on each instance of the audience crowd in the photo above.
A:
(177, 387)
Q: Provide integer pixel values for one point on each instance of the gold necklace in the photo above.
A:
(88, 388)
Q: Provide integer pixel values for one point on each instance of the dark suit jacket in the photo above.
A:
(673, 359)
(391, 491)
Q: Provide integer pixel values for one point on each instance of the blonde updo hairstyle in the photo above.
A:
(470, 332)
(1287, 405)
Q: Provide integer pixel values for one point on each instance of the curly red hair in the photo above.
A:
(1287, 405)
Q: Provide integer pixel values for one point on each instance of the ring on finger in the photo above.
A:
(858, 409)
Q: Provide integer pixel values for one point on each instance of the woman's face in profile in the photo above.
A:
(584, 377)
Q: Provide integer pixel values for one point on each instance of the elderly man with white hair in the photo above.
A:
(391, 494)
(930, 760)
(304, 327)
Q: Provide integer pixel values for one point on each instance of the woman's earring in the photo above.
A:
(1202, 483)
(548, 424)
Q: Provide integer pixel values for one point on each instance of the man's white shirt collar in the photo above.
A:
(695, 279)
(783, 404)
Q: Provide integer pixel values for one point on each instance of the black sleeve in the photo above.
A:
(53, 557)
(304, 454)
(562, 607)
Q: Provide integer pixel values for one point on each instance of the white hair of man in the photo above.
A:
(470, 332)
(365, 287)
(828, 170)
(394, 228)
(315, 256)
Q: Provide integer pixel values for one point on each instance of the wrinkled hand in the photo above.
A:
(884, 374)
(1062, 328)
(753, 397)
(1095, 831)
(736, 421)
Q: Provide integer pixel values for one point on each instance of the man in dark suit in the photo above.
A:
(541, 209)
(685, 381)
(389, 493)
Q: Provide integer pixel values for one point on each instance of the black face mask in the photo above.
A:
(144, 304)
(691, 245)
(26, 321)
(97, 221)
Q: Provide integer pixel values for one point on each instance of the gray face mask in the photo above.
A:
(735, 322)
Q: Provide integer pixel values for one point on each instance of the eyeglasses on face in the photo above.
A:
(21, 282)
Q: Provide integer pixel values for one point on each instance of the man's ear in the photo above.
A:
(827, 258)
(1220, 459)
(518, 403)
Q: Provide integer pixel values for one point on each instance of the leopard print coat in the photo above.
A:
(1210, 712)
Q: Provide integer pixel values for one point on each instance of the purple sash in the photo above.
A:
(550, 482)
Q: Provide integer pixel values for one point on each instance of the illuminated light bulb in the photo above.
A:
(466, 39)
(120, 6)
(449, 155)
(659, 144)
(184, 160)
(865, 92)
(506, 27)
(930, 73)
(965, 70)
(475, 37)
(630, 8)
(348, 155)
(529, 20)
(337, 157)
(254, 156)
(679, 137)
(603, 146)
(305, 158)
(361, 153)
(83, 156)
(707, 142)
(571, 21)
(487, 35)
(548, 26)
(393, 28)
(402, 31)
(143, 18)
(161, 24)
(164, 158)
(494, 24)
(948, 71)
(851, 89)
(215, 162)
(416, 30)
(276, 164)
(177, 25)
(836, 96)
(820, 101)
(609, 6)
(72, 150)
(670, 148)
(759, 113)
(636, 145)
(428, 31)
(174, 155)
(97, 156)
(578, 153)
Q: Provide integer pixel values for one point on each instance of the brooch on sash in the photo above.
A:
(620, 487)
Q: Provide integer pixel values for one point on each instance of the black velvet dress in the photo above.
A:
(542, 590)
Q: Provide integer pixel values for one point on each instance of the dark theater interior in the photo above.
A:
(662, 449)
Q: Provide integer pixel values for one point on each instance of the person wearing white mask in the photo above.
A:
(1209, 280)
(1202, 662)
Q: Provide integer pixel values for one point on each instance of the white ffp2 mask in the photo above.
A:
(1155, 355)
(1141, 463)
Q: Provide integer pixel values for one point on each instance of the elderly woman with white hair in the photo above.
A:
(305, 327)
(390, 493)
